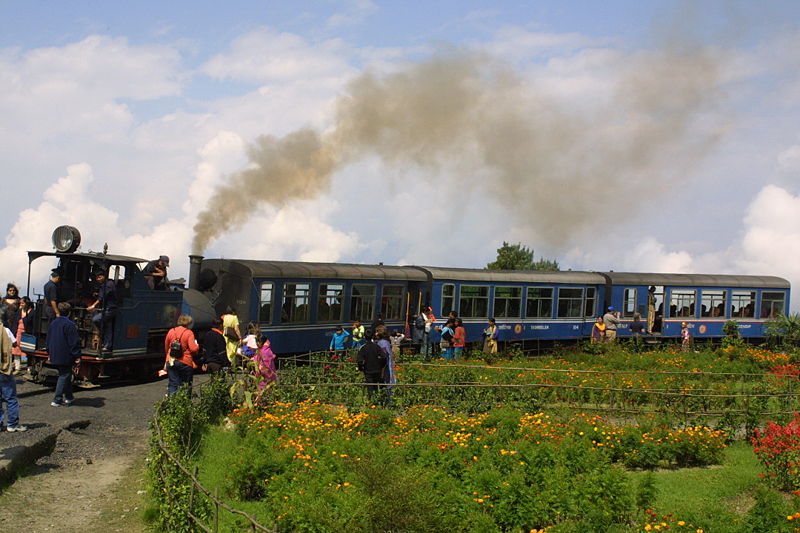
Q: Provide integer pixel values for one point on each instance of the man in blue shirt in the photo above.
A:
(51, 295)
(64, 349)
(338, 340)
(107, 300)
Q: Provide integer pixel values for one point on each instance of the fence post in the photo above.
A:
(216, 510)
(191, 489)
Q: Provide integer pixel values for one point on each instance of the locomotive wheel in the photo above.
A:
(35, 370)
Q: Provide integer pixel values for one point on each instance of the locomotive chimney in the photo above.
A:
(195, 262)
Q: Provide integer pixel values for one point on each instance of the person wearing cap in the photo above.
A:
(611, 321)
(155, 272)
(51, 295)
(107, 302)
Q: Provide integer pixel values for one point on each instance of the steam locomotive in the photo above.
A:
(297, 304)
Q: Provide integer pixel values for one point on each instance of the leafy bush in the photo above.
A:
(182, 424)
(778, 449)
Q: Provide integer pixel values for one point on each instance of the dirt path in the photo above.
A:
(93, 480)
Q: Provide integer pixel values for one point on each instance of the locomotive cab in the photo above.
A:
(136, 324)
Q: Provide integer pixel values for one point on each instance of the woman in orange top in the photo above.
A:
(459, 339)
(179, 363)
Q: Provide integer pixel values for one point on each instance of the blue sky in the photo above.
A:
(125, 119)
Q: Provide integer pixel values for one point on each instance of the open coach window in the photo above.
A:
(392, 302)
(629, 303)
(507, 301)
(743, 304)
(681, 303)
(474, 302)
(448, 298)
(772, 304)
(362, 302)
(296, 297)
(570, 303)
(539, 303)
(713, 304)
(329, 308)
(265, 303)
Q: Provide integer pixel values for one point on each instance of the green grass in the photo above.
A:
(714, 498)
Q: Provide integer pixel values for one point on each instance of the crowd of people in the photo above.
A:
(220, 349)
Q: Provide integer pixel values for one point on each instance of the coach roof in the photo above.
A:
(301, 270)
(515, 276)
(698, 280)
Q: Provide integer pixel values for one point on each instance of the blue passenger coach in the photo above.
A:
(704, 302)
(526, 304)
(297, 304)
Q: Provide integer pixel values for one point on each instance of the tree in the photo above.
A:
(518, 257)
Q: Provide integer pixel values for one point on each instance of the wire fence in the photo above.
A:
(689, 395)
(184, 490)
(746, 400)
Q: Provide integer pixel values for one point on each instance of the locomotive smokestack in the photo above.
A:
(195, 262)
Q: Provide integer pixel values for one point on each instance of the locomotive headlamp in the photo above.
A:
(66, 239)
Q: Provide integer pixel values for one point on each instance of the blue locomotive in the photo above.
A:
(138, 327)
(297, 304)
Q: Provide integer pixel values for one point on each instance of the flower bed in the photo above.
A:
(431, 470)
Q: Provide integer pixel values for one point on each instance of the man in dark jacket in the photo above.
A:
(371, 361)
(103, 320)
(64, 348)
(214, 356)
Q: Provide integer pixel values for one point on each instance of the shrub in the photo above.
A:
(778, 449)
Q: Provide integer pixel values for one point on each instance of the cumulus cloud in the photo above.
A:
(266, 55)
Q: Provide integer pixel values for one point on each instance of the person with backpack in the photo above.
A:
(181, 347)
(213, 354)
(371, 360)
(446, 343)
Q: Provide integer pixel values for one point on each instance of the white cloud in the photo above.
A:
(356, 11)
(649, 255)
(266, 55)
(789, 160)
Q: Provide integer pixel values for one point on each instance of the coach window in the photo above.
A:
(628, 302)
(265, 303)
(570, 303)
(507, 302)
(681, 303)
(473, 302)
(712, 304)
(362, 303)
(772, 304)
(591, 298)
(448, 298)
(331, 297)
(539, 302)
(392, 302)
(743, 304)
(296, 299)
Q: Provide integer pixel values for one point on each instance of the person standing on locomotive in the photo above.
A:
(155, 272)
(51, 295)
(104, 319)
(64, 349)
(180, 347)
